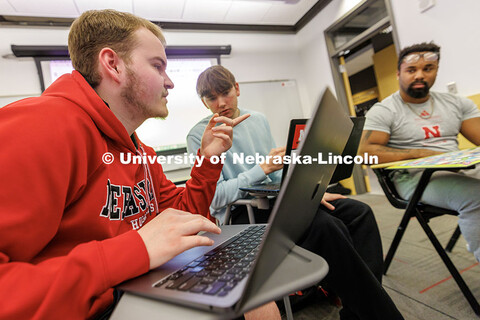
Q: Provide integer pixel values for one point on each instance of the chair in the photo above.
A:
(423, 213)
(258, 202)
(261, 203)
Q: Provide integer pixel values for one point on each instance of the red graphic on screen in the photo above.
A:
(298, 136)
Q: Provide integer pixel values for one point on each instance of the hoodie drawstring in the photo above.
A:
(148, 177)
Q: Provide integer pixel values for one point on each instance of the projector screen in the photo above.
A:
(185, 108)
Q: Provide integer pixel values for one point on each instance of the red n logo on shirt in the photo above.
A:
(432, 132)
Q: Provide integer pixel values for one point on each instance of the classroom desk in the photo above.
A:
(414, 201)
(132, 307)
(298, 270)
(451, 161)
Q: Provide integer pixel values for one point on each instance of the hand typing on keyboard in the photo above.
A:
(172, 232)
(218, 271)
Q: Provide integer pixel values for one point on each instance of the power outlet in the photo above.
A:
(452, 87)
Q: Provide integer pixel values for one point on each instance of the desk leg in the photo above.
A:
(288, 307)
(396, 241)
(409, 213)
(448, 262)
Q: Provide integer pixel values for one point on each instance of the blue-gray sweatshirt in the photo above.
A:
(250, 137)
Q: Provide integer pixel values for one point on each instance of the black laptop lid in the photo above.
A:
(302, 189)
(344, 171)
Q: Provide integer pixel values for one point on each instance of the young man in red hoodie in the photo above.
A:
(74, 221)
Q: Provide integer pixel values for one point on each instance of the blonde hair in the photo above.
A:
(98, 29)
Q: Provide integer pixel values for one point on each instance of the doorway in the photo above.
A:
(363, 59)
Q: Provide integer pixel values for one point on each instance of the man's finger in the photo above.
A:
(239, 119)
(192, 227)
(225, 120)
(277, 150)
(222, 136)
(222, 128)
(193, 241)
(176, 211)
(212, 121)
(328, 205)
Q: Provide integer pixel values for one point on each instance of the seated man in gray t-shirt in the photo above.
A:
(413, 123)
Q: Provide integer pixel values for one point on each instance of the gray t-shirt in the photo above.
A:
(410, 126)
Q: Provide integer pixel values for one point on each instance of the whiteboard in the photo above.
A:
(278, 100)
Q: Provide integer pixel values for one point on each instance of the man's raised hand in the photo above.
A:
(218, 139)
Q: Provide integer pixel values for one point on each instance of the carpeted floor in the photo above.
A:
(417, 280)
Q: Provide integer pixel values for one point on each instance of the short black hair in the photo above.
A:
(420, 47)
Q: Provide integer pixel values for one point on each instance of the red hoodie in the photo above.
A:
(67, 220)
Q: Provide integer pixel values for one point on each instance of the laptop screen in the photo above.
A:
(342, 171)
(296, 133)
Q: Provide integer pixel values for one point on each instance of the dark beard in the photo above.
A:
(132, 93)
(418, 93)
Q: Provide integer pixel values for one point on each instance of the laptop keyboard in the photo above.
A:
(271, 186)
(262, 188)
(218, 271)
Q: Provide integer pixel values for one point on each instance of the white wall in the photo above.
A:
(455, 27)
(254, 56)
(312, 52)
(18, 77)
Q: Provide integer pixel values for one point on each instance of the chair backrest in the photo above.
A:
(389, 189)
(398, 202)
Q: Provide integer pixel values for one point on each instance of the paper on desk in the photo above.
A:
(454, 159)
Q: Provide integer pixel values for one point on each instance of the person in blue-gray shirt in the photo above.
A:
(344, 231)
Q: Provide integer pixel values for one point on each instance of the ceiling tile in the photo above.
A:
(186, 11)
(211, 11)
(247, 12)
(50, 8)
(282, 13)
(158, 10)
(120, 5)
(6, 8)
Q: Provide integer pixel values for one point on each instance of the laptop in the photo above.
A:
(266, 262)
(295, 134)
(344, 171)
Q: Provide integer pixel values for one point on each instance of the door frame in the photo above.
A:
(361, 183)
